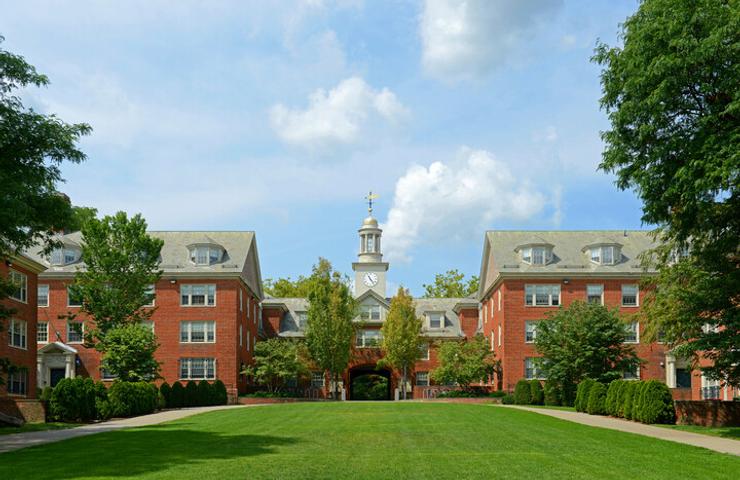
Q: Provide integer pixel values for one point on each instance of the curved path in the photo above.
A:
(16, 441)
(718, 444)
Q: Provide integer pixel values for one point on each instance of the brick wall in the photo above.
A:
(708, 413)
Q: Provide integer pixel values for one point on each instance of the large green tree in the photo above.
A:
(129, 353)
(464, 362)
(33, 147)
(672, 94)
(402, 341)
(451, 284)
(298, 288)
(583, 340)
(121, 263)
(276, 361)
(329, 330)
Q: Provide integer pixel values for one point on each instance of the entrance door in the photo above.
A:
(369, 384)
(56, 374)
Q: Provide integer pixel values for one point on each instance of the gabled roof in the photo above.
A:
(56, 346)
(374, 295)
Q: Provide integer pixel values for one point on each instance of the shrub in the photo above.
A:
(191, 394)
(497, 394)
(628, 396)
(508, 399)
(596, 399)
(621, 396)
(656, 405)
(177, 396)
(551, 393)
(205, 393)
(46, 395)
(538, 395)
(582, 394)
(166, 391)
(221, 396)
(129, 399)
(75, 400)
(523, 393)
(612, 395)
(637, 401)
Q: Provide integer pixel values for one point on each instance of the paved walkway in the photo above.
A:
(17, 441)
(719, 444)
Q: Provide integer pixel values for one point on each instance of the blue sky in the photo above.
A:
(279, 117)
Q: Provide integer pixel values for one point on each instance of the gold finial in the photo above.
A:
(370, 197)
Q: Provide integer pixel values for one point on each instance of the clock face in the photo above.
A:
(370, 279)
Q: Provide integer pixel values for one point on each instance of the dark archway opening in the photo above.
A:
(369, 384)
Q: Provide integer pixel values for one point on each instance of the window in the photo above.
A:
(197, 295)
(197, 332)
(241, 336)
(536, 255)
(72, 299)
(249, 338)
(241, 300)
(197, 368)
(18, 333)
(369, 338)
(499, 335)
(532, 369)
(530, 331)
(632, 334)
(493, 340)
(20, 282)
(74, 332)
(633, 374)
(436, 320)
(18, 382)
(317, 379)
(148, 324)
(605, 255)
(542, 295)
(630, 296)
(42, 332)
(106, 375)
(302, 319)
(205, 255)
(63, 256)
(683, 378)
(150, 294)
(424, 350)
(595, 294)
(42, 298)
(370, 243)
(422, 379)
(369, 312)
(499, 300)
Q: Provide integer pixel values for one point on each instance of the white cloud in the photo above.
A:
(456, 200)
(340, 116)
(464, 39)
(548, 134)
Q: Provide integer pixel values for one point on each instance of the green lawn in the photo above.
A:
(554, 407)
(367, 440)
(724, 432)
(36, 427)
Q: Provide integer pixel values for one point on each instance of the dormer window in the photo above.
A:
(537, 255)
(205, 254)
(64, 256)
(605, 254)
(436, 320)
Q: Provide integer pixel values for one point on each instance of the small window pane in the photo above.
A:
(42, 332)
(629, 295)
(595, 294)
(74, 332)
(42, 298)
(530, 331)
(422, 379)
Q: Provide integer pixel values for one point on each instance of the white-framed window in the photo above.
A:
(605, 255)
(254, 310)
(595, 294)
(197, 369)
(148, 324)
(499, 299)
(302, 319)
(493, 340)
(151, 295)
(42, 332)
(42, 296)
(197, 332)
(633, 374)
(205, 255)
(542, 295)
(192, 295)
(436, 320)
(18, 382)
(424, 350)
(20, 282)
(317, 380)
(532, 369)
(632, 333)
(630, 295)
(530, 331)
(369, 312)
(485, 313)
(536, 255)
(106, 375)
(499, 335)
(63, 256)
(241, 335)
(75, 332)
(241, 300)
(422, 379)
(18, 333)
(369, 338)
(72, 299)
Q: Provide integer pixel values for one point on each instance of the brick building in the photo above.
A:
(207, 309)
(526, 274)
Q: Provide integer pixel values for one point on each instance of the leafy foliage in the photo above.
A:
(611, 405)
(583, 340)
(628, 400)
(451, 284)
(584, 388)
(80, 217)
(191, 394)
(672, 94)
(370, 387)
(221, 395)
(596, 399)
(166, 392)
(402, 341)
(537, 393)
(76, 400)
(656, 405)
(275, 362)
(129, 353)
(129, 399)
(464, 362)
(177, 396)
(551, 393)
(299, 288)
(523, 392)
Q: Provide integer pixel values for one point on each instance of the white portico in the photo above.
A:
(55, 361)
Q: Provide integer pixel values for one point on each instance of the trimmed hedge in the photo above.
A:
(194, 394)
(523, 392)
(612, 396)
(656, 403)
(191, 394)
(77, 400)
(629, 395)
(221, 396)
(205, 393)
(551, 392)
(129, 399)
(536, 392)
(177, 396)
(596, 399)
(508, 399)
(582, 394)
(166, 392)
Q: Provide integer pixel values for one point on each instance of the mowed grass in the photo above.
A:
(36, 427)
(367, 441)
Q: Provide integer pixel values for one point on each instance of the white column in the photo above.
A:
(69, 366)
(40, 377)
(670, 371)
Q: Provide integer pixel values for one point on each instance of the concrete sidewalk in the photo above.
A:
(17, 441)
(718, 444)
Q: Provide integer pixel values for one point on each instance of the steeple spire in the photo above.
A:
(370, 197)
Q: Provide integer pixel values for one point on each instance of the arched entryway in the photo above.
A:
(367, 383)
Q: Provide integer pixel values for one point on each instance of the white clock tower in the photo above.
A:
(370, 269)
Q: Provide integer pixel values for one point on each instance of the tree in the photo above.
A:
(402, 341)
(451, 285)
(32, 148)
(672, 94)
(583, 340)
(129, 353)
(329, 330)
(299, 288)
(80, 216)
(275, 362)
(464, 362)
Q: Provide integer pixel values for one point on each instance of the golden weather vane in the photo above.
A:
(370, 197)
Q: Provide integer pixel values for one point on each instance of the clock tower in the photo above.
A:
(370, 269)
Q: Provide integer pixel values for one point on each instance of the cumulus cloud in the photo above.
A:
(463, 39)
(458, 199)
(339, 116)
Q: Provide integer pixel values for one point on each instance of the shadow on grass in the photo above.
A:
(133, 452)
